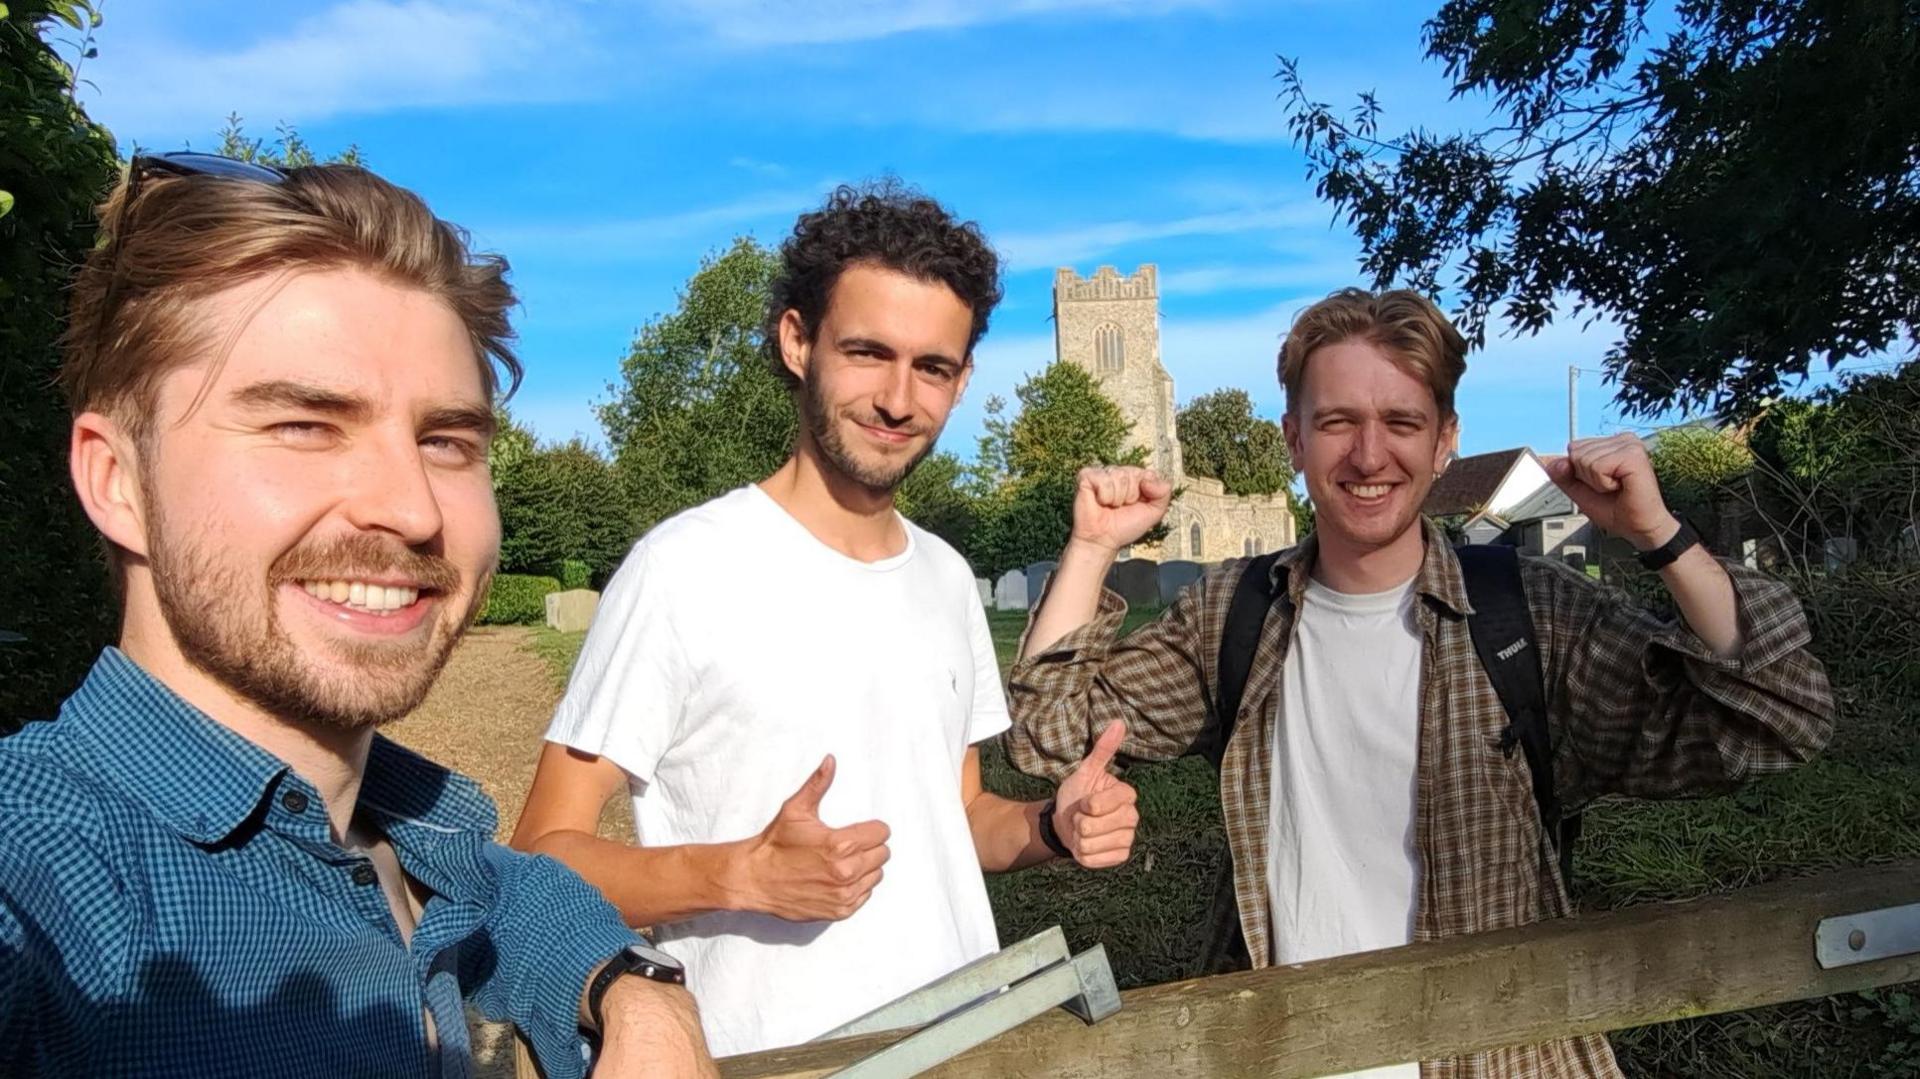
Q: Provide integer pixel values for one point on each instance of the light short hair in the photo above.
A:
(1402, 323)
(182, 238)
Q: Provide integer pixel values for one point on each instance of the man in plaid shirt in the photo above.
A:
(1371, 794)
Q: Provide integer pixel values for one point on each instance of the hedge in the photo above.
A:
(575, 574)
(517, 599)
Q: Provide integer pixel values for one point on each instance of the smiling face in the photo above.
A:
(318, 521)
(881, 374)
(1369, 439)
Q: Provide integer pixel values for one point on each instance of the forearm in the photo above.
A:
(652, 1029)
(1073, 596)
(1705, 597)
(1006, 833)
(653, 885)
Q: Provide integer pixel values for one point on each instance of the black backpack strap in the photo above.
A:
(1225, 948)
(1253, 597)
(1503, 635)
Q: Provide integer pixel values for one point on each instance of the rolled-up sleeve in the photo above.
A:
(1645, 707)
(550, 931)
(1153, 679)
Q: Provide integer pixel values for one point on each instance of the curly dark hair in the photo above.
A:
(887, 224)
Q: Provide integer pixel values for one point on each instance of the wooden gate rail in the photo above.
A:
(1595, 973)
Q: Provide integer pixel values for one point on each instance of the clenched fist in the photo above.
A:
(1612, 481)
(1115, 506)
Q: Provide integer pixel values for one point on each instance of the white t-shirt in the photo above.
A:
(731, 652)
(1343, 871)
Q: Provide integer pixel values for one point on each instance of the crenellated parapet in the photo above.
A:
(1106, 283)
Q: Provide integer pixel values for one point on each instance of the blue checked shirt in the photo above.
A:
(171, 903)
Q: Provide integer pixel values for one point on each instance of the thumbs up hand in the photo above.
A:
(1093, 811)
(804, 871)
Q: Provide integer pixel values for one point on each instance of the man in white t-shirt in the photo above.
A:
(1369, 781)
(792, 680)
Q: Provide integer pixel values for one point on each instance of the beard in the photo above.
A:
(229, 627)
(881, 477)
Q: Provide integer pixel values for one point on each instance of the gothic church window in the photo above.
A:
(1193, 540)
(1109, 354)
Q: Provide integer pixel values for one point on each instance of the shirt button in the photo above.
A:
(363, 874)
(294, 801)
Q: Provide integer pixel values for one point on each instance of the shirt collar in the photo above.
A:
(204, 780)
(1439, 578)
(197, 777)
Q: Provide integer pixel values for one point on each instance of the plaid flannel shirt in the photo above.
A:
(1637, 706)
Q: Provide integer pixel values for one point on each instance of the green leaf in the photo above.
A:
(4, 11)
(6, 202)
(68, 11)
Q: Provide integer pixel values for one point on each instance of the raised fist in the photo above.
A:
(1114, 506)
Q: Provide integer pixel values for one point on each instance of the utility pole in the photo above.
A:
(1573, 383)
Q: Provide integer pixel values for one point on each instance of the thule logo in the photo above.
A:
(1512, 650)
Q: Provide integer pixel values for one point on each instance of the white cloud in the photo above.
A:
(759, 23)
(356, 56)
(1080, 243)
(644, 237)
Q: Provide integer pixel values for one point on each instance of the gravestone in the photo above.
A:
(1174, 577)
(572, 611)
(1010, 591)
(1841, 551)
(1137, 580)
(1037, 575)
(986, 591)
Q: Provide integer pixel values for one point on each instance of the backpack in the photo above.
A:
(1503, 637)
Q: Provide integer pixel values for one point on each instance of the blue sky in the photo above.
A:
(605, 146)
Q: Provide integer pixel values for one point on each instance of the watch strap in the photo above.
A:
(1047, 833)
(628, 960)
(1661, 557)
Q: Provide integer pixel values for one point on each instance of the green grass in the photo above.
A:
(1857, 804)
(560, 650)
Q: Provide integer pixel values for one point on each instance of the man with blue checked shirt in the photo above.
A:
(282, 387)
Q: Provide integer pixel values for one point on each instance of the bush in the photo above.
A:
(575, 574)
(517, 599)
(56, 164)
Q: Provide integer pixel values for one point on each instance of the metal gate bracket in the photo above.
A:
(1847, 939)
(982, 1000)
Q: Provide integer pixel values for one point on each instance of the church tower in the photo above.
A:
(1109, 326)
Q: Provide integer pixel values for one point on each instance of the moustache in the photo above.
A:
(350, 557)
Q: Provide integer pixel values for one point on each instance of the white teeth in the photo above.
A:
(361, 595)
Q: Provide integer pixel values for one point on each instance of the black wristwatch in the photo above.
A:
(643, 960)
(1047, 834)
(1663, 556)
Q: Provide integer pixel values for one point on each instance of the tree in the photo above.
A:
(1222, 439)
(1696, 464)
(563, 503)
(1065, 423)
(511, 444)
(698, 410)
(935, 496)
(1844, 463)
(55, 164)
(288, 151)
(1740, 195)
